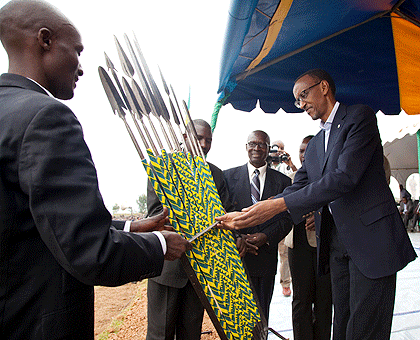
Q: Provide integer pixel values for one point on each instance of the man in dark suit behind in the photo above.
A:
(173, 307)
(56, 239)
(258, 245)
(360, 235)
(406, 209)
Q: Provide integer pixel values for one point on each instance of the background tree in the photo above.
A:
(142, 203)
(115, 208)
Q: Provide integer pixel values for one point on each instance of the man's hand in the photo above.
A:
(289, 161)
(254, 242)
(241, 245)
(253, 215)
(310, 223)
(176, 245)
(158, 222)
(228, 220)
(257, 239)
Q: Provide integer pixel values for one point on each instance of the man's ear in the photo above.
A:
(44, 38)
(325, 86)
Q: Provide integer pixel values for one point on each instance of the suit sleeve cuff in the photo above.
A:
(162, 241)
(127, 226)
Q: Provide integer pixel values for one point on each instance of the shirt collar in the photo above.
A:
(327, 125)
(262, 169)
(42, 87)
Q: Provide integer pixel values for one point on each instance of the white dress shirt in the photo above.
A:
(327, 125)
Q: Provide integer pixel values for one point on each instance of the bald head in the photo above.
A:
(20, 20)
(42, 44)
(279, 144)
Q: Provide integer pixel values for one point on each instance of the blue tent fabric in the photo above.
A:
(360, 57)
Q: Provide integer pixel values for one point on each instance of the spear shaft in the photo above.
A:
(194, 149)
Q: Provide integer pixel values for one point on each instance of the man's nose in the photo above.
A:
(80, 70)
(203, 144)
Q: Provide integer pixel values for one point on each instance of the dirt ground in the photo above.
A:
(121, 313)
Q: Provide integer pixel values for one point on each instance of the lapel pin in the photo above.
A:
(338, 126)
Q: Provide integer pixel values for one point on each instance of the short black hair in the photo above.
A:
(267, 137)
(201, 122)
(307, 139)
(320, 75)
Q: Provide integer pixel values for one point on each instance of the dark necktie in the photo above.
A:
(255, 187)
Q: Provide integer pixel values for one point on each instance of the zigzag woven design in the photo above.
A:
(214, 256)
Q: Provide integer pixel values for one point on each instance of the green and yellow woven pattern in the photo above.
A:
(186, 187)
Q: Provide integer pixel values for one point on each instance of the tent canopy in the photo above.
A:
(370, 48)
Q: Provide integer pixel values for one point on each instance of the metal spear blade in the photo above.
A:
(165, 86)
(111, 67)
(146, 88)
(111, 92)
(145, 108)
(132, 99)
(155, 94)
(125, 62)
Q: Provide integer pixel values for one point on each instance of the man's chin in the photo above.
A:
(65, 96)
(312, 115)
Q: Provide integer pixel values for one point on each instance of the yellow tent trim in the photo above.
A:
(274, 28)
(407, 53)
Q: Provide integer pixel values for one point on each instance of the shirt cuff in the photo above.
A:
(162, 241)
(127, 226)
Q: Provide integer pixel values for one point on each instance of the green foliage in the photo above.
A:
(115, 208)
(142, 203)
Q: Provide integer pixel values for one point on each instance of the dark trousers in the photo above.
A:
(363, 307)
(173, 311)
(264, 287)
(312, 300)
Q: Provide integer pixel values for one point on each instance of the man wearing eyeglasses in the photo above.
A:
(360, 235)
(248, 184)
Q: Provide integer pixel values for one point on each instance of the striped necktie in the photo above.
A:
(255, 187)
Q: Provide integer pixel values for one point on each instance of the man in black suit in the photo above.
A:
(173, 307)
(258, 245)
(360, 234)
(56, 239)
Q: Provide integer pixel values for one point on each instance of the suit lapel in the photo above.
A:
(269, 185)
(244, 187)
(335, 131)
(317, 163)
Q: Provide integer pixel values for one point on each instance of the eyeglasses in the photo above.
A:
(303, 95)
(253, 145)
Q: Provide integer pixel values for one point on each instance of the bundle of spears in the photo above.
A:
(183, 183)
